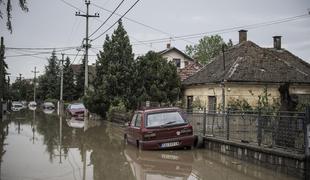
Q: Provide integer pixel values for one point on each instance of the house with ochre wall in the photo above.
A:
(247, 71)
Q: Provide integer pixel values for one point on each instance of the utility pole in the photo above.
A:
(87, 15)
(2, 78)
(34, 83)
(61, 83)
(20, 86)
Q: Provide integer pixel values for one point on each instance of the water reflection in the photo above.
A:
(48, 111)
(160, 164)
(36, 145)
(76, 122)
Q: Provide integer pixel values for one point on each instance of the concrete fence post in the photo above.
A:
(307, 131)
(204, 121)
(226, 114)
(307, 143)
(259, 127)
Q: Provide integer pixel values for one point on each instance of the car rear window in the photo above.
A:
(77, 106)
(164, 118)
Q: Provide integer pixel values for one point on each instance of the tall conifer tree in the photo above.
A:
(114, 72)
(68, 78)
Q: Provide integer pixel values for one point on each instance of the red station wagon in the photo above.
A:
(161, 128)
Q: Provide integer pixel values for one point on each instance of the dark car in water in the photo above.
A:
(160, 128)
(76, 109)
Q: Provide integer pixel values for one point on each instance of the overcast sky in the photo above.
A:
(53, 24)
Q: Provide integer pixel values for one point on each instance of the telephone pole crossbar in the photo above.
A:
(87, 15)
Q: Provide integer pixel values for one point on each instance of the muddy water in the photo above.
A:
(37, 146)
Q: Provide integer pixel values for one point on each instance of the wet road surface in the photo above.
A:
(37, 145)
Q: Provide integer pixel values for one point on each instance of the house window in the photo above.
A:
(212, 103)
(189, 102)
(177, 62)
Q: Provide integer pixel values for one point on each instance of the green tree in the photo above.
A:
(22, 90)
(114, 69)
(8, 4)
(157, 79)
(49, 83)
(68, 78)
(3, 73)
(207, 48)
(42, 87)
(80, 81)
(53, 79)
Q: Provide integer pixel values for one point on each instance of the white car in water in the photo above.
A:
(32, 105)
(17, 106)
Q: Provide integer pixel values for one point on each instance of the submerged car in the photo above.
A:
(161, 128)
(32, 104)
(17, 106)
(48, 105)
(76, 109)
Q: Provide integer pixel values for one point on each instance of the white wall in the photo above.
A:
(175, 55)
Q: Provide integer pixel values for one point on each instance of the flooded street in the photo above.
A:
(37, 145)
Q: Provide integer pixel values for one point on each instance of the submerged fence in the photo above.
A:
(283, 130)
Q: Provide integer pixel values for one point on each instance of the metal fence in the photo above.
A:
(282, 130)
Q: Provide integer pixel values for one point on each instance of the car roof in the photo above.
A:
(159, 109)
(76, 103)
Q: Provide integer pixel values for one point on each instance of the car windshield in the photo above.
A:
(77, 106)
(48, 104)
(164, 118)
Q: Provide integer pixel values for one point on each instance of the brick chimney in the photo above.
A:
(242, 35)
(168, 45)
(277, 42)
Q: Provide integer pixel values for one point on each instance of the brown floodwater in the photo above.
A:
(42, 146)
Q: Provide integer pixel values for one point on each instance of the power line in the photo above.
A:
(40, 48)
(38, 53)
(34, 55)
(140, 23)
(116, 21)
(160, 40)
(226, 30)
(72, 6)
(108, 18)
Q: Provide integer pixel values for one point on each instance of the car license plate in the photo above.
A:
(169, 144)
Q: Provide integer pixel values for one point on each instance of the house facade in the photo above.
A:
(247, 73)
(175, 55)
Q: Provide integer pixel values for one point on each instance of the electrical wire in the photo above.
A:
(40, 48)
(107, 18)
(232, 29)
(140, 23)
(72, 6)
(116, 21)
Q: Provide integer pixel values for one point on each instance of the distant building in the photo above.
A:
(186, 65)
(175, 55)
(248, 70)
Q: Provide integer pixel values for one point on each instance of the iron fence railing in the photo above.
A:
(283, 129)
